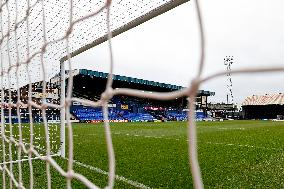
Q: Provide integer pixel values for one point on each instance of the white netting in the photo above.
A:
(35, 36)
(88, 26)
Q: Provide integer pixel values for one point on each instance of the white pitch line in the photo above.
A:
(242, 145)
(117, 177)
(147, 136)
(225, 128)
(98, 170)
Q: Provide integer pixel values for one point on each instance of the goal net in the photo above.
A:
(36, 38)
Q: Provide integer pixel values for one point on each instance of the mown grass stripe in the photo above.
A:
(208, 142)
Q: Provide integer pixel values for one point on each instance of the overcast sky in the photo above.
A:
(166, 48)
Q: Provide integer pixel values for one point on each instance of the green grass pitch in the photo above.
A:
(232, 154)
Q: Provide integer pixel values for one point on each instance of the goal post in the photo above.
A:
(62, 110)
(129, 25)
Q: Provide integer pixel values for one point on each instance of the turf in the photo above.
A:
(232, 154)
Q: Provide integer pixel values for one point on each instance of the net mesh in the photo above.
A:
(36, 35)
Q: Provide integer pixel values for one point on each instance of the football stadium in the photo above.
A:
(127, 94)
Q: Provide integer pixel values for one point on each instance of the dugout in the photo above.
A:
(263, 106)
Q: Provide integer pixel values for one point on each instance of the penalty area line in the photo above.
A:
(117, 177)
(206, 142)
(242, 145)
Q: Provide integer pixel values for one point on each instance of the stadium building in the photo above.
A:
(263, 107)
(51, 95)
(223, 110)
(90, 84)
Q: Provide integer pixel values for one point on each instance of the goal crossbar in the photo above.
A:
(132, 24)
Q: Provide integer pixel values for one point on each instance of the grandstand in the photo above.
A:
(90, 84)
(263, 106)
(51, 96)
